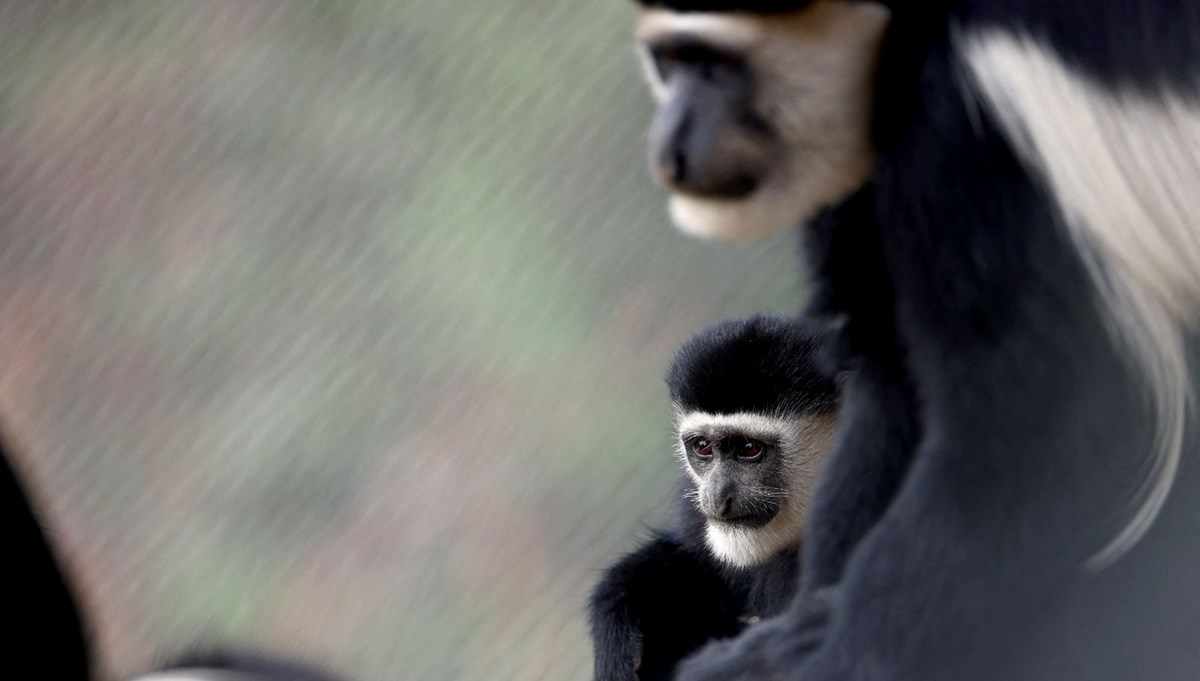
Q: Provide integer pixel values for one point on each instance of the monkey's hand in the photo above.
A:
(619, 661)
(725, 661)
(811, 620)
(769, 651)
(752, 656)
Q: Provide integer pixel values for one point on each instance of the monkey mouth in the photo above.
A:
(745, 520)
(737, 187)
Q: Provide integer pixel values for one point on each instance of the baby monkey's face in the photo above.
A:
(742, 481)
(755, 417)
(752, 475)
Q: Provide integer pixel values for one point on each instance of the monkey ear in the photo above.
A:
(827, 336)
(834, 350)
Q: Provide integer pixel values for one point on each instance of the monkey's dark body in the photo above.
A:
(1026, 423)
(673, 596)
(41, 608)
(878, 417)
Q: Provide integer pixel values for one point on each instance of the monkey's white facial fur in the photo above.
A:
(737, 494)
(775, 126)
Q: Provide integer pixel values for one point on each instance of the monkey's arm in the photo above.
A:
(877, 434)
(877, 423)
(654, 607)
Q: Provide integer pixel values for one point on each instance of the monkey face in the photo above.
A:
(743, 483)
(762, 119)
(752, 474)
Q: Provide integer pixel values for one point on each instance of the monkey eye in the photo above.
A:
(707, 62)
(750, 449)
(664, 64)
(701, 447)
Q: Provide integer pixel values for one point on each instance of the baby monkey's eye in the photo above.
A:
(750, 449)
(701, 447)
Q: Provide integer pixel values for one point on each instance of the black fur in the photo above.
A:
(763, 364)
(1018, 426)
(46, 637)
(878, 417)
(663, 601)
(1126, 44)
(670, 596)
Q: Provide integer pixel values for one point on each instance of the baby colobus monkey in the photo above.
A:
(754, 418)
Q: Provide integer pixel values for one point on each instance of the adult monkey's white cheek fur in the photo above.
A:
(814, 71)
(1124, 169)
(750, 219)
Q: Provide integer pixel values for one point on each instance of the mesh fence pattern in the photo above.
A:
(337, 328)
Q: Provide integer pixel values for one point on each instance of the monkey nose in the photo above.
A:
(692, 168)
(672, 165)
(728, 507)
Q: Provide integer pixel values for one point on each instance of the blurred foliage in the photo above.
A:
(338, 326)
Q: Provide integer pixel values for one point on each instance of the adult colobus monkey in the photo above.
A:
(754, 418)
(1033, 225)
(46, 638)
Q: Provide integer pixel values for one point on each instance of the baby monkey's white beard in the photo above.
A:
(747, 546)
(803, 441)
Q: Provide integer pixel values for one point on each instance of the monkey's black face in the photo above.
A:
(707, 139)
(761, 119)
(744, 481)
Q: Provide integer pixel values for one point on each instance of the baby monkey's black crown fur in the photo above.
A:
(764, 364)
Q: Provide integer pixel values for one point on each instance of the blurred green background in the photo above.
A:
(337, 328)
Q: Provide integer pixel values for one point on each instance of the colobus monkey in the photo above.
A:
(1030, 171)
(754, 418)
(46, 638)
